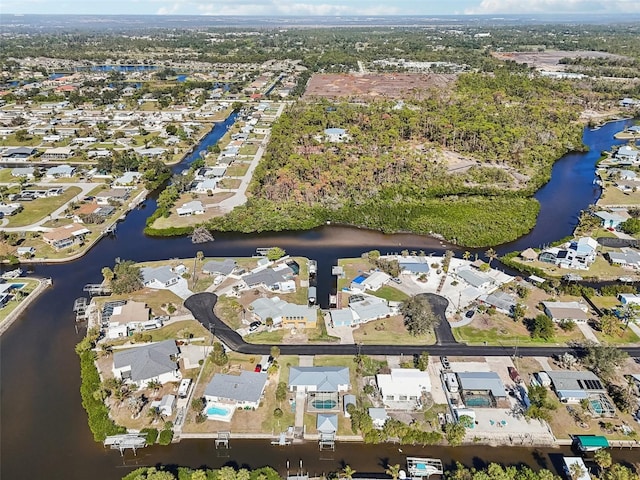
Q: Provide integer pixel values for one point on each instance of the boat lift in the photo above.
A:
(424, 467)
(134, 441)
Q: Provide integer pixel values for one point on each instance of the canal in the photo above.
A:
(44, 431)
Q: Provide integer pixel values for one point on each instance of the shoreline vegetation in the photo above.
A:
(462, 162)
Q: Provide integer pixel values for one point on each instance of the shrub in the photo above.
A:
(152, 435)
(165, 437)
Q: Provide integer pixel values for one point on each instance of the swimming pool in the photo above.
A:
(323, 404)
(220, 412)
(17, 286)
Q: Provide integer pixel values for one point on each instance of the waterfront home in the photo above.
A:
(194, 207)
(150, 152)
(158, 277)
(60, 171)
(628, 102)
(113, 195)
(66, 236)
(26, 172)
(475, 278)
(270, 278)
(627, 153)
(19, 153)
(371, 308)
(403, 387)
(626, 257)
(59, 153)
(141, 365)
(219, 267)
(414, 265)
(573, 386)
(578, 254)
(481, 389)
(622, 174)
(206, 186)
(373, 281)
(611, 220)
(244, 390)
(289, 315)
(131, 312)
(127, 179)
(25, 251)
(566, 311)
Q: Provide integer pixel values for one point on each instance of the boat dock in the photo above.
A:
(80, 309)
(424, 467)
(132, 441)
(281, 441)
(97, 289)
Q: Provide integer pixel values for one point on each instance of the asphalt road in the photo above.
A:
(201, 306)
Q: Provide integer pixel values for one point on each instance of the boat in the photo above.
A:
(625, 279)
(12, 274)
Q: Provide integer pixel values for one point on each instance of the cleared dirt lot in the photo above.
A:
(369, 86)
(549, 60)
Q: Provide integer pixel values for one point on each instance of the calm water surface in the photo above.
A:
(43, 427)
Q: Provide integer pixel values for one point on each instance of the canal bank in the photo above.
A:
(40, 378)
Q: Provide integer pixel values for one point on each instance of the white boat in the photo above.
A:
(12, 273)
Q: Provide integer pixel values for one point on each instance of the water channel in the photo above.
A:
(43, 427)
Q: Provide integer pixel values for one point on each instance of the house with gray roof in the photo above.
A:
(319, 379)
(26, 172)
(565, 311)
(572, 386)
(268, 277)
(342, 317)
(481, 389)
(413, 264)
(289, 315)
(244, 390)
(610, 220)
(17, 153)
(141, 365)
(158, 277)
(193, 207)
(625, 257)
(219, 267)
(501, 301)
(474, 278)
(378, 416)
(60, 171)
(371, 308)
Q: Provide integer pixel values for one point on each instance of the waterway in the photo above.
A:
(43, 427)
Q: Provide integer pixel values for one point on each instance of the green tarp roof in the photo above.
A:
(598, 441)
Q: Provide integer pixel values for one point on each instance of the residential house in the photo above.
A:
(475, 278)
(206, 186)
(577, 254)
(9, 209)
(219, 267)
(565, 311)
(319, 379)
(572, 386)
(403, 385)
(25, 172)
(626, 257)
(371, 308)
(336, 135)
(19, 153)
(158, 277)
(629, 298)
(25, 251)
(289, 315)
(481, 389)
(127, 179)
(60, 171)
(373, 281)
(244, 390)
(141, 365)
(342, 317)
(66, 236)
(113, 195)
(150, 152)
(130, 313)
(194, 207)
(627, 153)
(59, 153)
(414, 265)
(270, 278)
(501, 301)
(610, 220)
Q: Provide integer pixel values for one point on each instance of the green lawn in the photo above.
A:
(10, 306)
(605, 302)
(229, 310)
(389, 331)
(38, 209)
(248, 149)
(614, 196)
(624, 337)
(238, 169)
(273, 337)
(30, 140)
(230, 183)
(390, 293)
(6, 177)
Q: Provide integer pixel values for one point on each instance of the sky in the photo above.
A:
(318, 7)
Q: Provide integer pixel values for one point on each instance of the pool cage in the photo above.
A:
(600, 405)
(320, 402)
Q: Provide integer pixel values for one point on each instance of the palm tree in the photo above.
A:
(491, 255)
(603, 459)
(393, 471)
(155, 414)
(348, 472)
(576, 470)
(154, 385)
(466, 255)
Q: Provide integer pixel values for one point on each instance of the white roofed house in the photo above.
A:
(158, 277)
(319, 379)
(403, 387)
(9, 209)
(206, 186)
(219, 267)
(127, 179)
(626, 257)
(116, 195)
(289, 315)
(194, 207)
(244, 390)
(627, 153)
(373, 282)
(26, 172)
(336, 135)
(61, 171)
(154, 362)
(610, 220)
(66, 236)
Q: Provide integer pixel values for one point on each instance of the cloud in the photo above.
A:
(554, 6)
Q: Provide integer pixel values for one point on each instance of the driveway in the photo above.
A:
(181, 289)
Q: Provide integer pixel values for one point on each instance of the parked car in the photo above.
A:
(470, 313)
(253, 326)
(445, 363)
(396, 280)
(258, 368)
